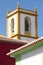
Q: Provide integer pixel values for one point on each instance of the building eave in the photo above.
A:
(30, 46)
(12, 40)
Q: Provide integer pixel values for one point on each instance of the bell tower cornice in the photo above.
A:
(20, 10)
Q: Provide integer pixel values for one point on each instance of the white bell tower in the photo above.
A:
(22, 24)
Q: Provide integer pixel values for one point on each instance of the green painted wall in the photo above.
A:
(28, 49)
(18, 60)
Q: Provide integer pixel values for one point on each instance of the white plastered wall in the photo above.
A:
(9, 25)
(32, 58)
(22, 24)
(28, 39)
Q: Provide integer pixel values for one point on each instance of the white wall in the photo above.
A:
(32, 58)
(22, 24)
(9, 25)
(28, 39)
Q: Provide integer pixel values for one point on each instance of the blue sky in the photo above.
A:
(26, 4)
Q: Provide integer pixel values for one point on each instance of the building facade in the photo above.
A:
(21, 46)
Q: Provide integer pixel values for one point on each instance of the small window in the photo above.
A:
(12, 25)
(27, 24)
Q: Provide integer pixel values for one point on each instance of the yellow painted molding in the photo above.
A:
(18, 23)
(36, 26)
(6, 28)
(28, 13)
(21, 35)
(12, 34)
(24, 11)
(27, 34)
(12, 13)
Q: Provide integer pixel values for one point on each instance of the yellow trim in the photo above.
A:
(36, 26)
(21, 35)
(27, 34)
(28, 12)
(12, 34)
(6, 28)
(18, 23)
(11, 14)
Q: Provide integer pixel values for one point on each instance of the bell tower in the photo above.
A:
(22, 24)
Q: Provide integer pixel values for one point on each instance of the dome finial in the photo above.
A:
(35, 9)
(8, 11)
(18, 5)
